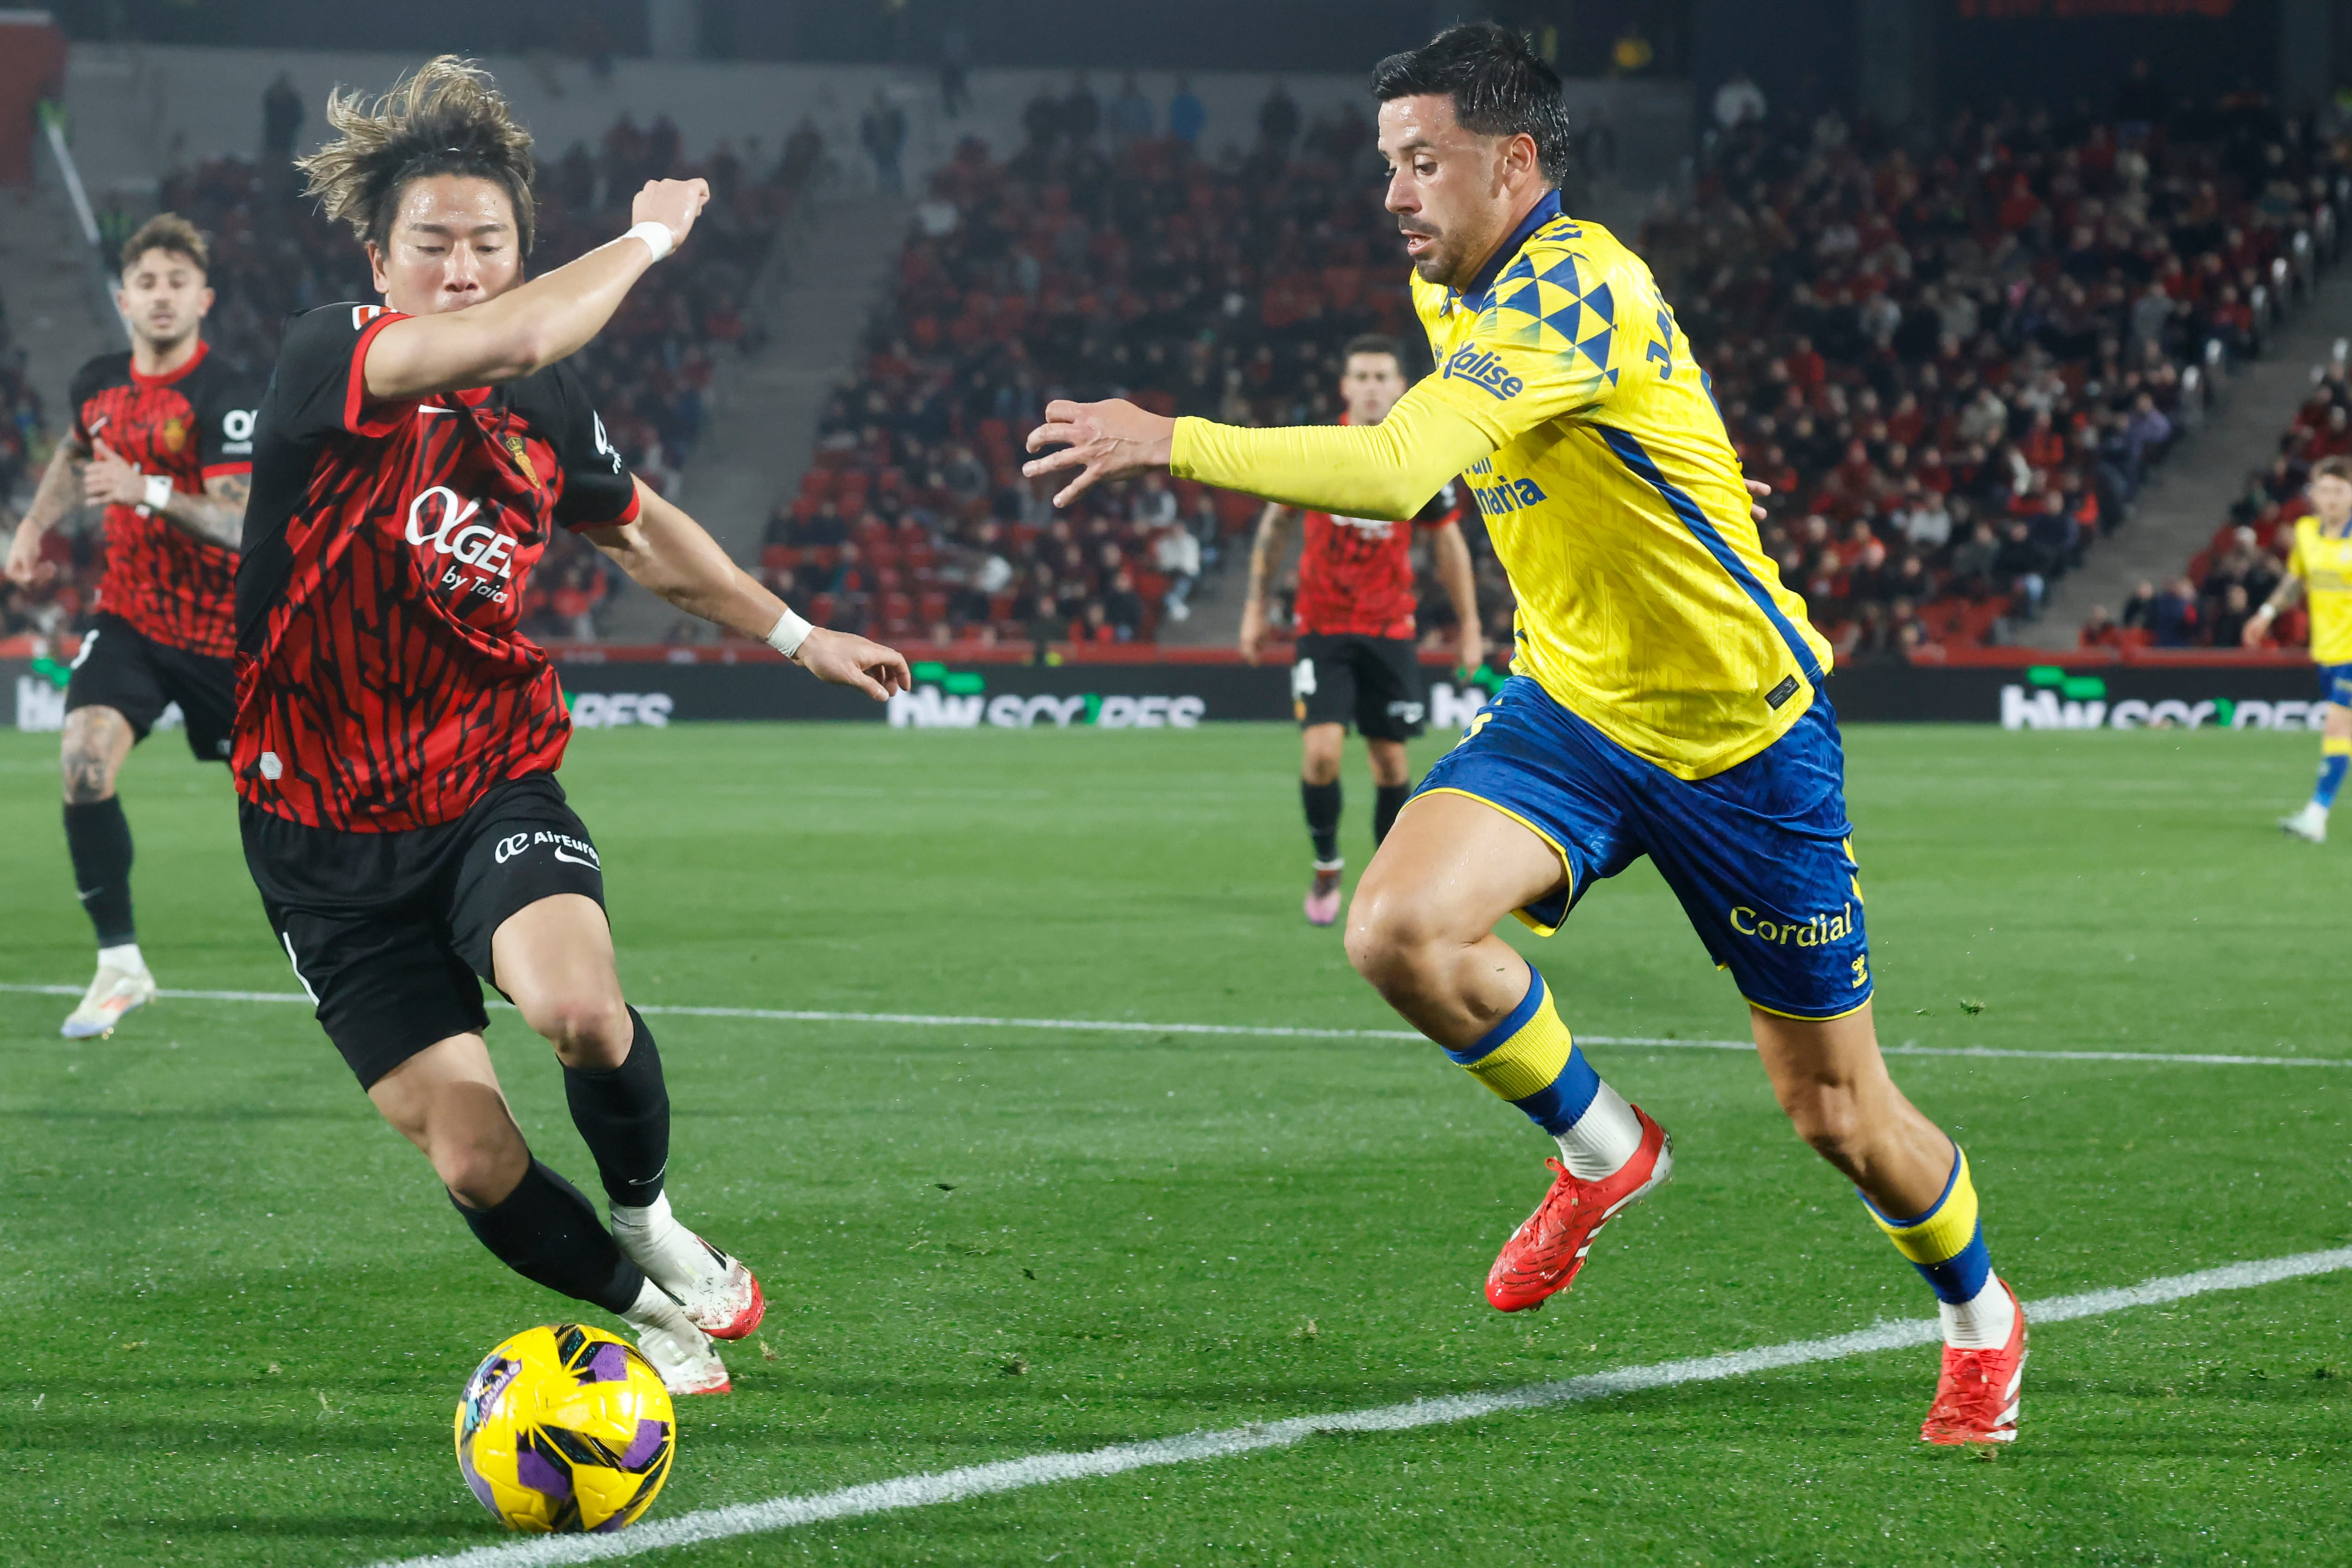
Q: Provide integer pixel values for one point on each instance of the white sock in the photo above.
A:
(1606, 1136)
(124, 957)
(1981, 1323)
(654, 1216)
(653, 1308)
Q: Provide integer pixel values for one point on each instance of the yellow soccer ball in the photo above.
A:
(565, 1429)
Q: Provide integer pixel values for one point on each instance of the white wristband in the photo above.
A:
(656, 236)
(789, 632)
(159, 491)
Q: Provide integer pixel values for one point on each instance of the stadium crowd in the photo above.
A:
(651, 369)
(1099, 259)
(1957, 368)
(2208, 604)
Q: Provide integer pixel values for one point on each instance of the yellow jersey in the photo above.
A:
(2324, 562)
(1647, 606)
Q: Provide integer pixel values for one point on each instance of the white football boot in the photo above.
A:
(719, 1295)
(681, 1352)
(2310, 823)
(122, 985)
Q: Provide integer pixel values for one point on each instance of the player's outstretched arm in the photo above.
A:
(1386, 470)
(215, 516)
(535, 324)
(1265, 552)
(667, 552)
(59, 493)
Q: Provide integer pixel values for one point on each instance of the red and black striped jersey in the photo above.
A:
(1355, 574)
(192, 425)
(383, 683)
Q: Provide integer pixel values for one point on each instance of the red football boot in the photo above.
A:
(1977, 1396)
(1543, 1255)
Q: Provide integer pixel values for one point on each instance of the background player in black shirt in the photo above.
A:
(162, 438)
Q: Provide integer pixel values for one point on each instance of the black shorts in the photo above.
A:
(388, 931)
(1372, 682)
(120, 667)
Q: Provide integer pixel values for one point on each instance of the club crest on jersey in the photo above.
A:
(1482, 367)
(521, 456)
(174, 435)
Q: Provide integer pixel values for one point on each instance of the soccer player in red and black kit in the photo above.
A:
(396, 736)
(1357, 659)
(163, 439)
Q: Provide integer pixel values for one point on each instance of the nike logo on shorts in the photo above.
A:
(575, 859)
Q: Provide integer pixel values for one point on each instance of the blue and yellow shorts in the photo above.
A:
(1761, 855)
(2335, 684)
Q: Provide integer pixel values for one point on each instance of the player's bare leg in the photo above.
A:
(97, 838)
(445, 1099)
(554, 958)
(1423, 932)
(1320, 747)
(2310, 823)
(1830, 1077)
(1423, 928)
(1834, 1084)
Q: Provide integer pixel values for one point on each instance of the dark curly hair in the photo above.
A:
(1500, 87)
(447, 119)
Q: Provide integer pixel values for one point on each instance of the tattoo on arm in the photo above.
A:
(60, 488)
(217, 516)
(1273, 525)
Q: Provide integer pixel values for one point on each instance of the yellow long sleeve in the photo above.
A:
(1386, 471)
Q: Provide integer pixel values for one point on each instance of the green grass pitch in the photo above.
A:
(239, 1312)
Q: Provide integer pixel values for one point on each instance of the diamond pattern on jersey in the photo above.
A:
(1548, 303)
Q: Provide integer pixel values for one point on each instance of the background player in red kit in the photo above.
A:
(396, 736)
(163, 439)
(1357, 659)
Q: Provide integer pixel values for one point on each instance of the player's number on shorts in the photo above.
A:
(81, 654)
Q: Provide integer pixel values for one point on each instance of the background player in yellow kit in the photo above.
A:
(1665, 698)
(2321, 566)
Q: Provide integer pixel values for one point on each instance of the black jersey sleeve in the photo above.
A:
(88, 382)
(1445, 507)
(320, 389)
(226, 414)
(598, 488)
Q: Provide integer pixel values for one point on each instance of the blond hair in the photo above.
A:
(447, 117)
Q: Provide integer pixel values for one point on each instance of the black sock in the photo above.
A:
(546, 1232)
(1387, 801)
(622, 1114)
(98, 837)
(1322, 818)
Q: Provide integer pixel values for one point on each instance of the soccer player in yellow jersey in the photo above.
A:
(1666, 697)
(2321, 566)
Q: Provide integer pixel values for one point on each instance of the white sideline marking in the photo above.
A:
(1285, 1031)
(1045, 1469)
